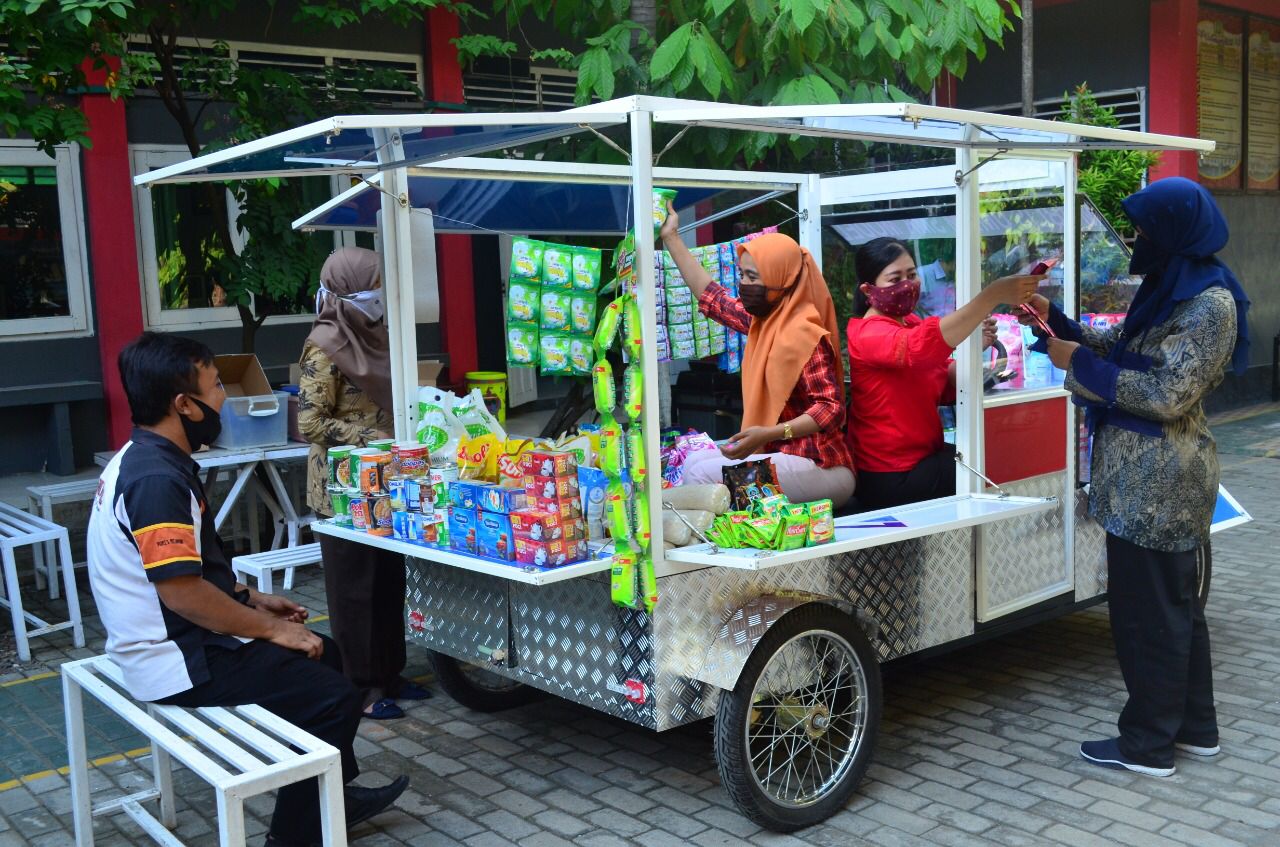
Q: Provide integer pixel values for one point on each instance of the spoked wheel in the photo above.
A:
(795, 736)
(479, 689)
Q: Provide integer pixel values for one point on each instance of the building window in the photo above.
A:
(181, 243)
(1238, 106)
(41, 244)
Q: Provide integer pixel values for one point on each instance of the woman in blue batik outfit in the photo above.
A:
(1155, 465)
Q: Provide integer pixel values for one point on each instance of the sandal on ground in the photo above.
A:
(383, 710)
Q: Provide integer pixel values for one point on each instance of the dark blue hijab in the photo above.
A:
(1181, 230)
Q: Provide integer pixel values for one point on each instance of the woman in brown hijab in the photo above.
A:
(345, 398)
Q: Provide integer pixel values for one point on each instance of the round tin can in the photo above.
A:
(373, 470)
(382, 444)
(411, 458)
(360, 516)
(413, 487)
(340, 465)
(397, 488)
(440, 478)
(340, 498)
(402, 526)
(380, 514)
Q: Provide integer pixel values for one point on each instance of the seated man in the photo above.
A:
(180, 628)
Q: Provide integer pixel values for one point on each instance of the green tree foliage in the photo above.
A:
(1106, 176)
(762, 52)
(53, 45)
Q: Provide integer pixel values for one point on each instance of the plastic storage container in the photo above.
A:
(260, 421)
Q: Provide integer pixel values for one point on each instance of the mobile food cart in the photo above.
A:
(782, 648)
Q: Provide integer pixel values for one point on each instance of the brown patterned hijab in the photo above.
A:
(355, 343)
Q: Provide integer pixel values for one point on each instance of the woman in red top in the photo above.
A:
(792, 380)
(901, 371)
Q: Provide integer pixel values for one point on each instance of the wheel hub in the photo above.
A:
(818, 722)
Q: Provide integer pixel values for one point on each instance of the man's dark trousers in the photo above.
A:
(311, 694)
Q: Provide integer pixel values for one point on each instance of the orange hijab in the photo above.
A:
(780, 345)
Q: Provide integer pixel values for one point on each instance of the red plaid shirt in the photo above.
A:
(817, 393)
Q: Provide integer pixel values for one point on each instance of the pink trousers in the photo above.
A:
(803, 480)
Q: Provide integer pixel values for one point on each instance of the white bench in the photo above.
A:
(41, 500)
(21, 529)
(264, 565)
(241, 752)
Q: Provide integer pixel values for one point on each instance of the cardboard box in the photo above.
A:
(552, 463)
(567, 509)
(429, 371)
(550, 554)
(242, 375)
(493, 536)
(463, 529)
(503, 501)
(466, 494)
(548, 487)
(545, 526)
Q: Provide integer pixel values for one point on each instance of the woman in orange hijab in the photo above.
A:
(792, 379)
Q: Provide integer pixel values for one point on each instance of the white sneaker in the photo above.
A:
(1198, 751)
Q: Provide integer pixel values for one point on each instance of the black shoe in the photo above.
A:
(361, 803)
(364, 803)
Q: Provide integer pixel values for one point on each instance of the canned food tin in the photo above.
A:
(397, 488)
(382, 445)
(380, 514)
(402, 526)
(340, 465)
(428, 528)
(373, 471)
(411, 458)
(340, 498)
(440, 478)
(360, 516)
(413, 488)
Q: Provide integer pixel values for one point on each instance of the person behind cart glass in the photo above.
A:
(344, 397)
(901, 370)
(180, 628)
(792, 381)
(1154, 464)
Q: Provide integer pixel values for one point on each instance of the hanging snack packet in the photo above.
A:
(682, 314)
(581, 354)
(637, 464)
(750, 481)
(602, 383)
(586, 268)
(522, 301)
(633, 390)
(622, 577)
(661, 197)
(526, 258)
(611, 448)
(648, 583)
(607, 328)
(617, 512)
(632, 339)
(822, 524)
(683, 349)
(582, 311)
(557, 266)
(554, 348)
(522, 344)
(556, 306)
(641, 526)
(678, 295)
(625, 263)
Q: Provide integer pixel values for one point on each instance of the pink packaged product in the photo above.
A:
(567, 508)
(548, 463)
(673, 458)
(549, 487)
(550, 554)
(546, 526)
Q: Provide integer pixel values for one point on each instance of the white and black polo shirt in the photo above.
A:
(149, 522)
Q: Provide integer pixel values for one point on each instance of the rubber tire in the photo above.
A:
(732, 712)
(455, 682)
(1204, 577)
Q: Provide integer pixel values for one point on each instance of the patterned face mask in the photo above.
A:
(368, 302)
(895, 301)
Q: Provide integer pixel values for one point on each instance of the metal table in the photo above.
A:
(243, 462)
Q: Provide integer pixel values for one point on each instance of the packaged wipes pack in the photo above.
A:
(557, 266)
(522, 301)
(556, 306)
(581, 355)
(586, 268)
(582, 313)
(526, 258)
(522, 344)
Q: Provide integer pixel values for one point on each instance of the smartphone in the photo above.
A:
(1040, 326)
(1042, 267)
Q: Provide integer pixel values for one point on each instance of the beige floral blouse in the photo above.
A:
(331, 411)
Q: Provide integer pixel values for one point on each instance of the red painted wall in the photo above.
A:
(1172, 87)
(1026, 439)
(457, 279)
(113, 255)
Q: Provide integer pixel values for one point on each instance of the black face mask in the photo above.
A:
(204, 431)
(755, 299)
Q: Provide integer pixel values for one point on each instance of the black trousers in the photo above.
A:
(365, 590)
(933, 476)
(1162, 643)
(309, 693)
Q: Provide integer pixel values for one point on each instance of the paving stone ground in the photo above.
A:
(977, 747)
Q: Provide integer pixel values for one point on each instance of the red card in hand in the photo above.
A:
(1039, 321)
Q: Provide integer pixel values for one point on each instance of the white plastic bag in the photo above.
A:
(437, 427)
(475, 417)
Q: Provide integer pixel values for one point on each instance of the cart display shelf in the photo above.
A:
(515, 571)
(870, 529)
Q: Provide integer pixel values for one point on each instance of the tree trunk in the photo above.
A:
(1028, 62)
(645, 13)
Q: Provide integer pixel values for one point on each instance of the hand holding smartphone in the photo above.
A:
(1039, 327)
